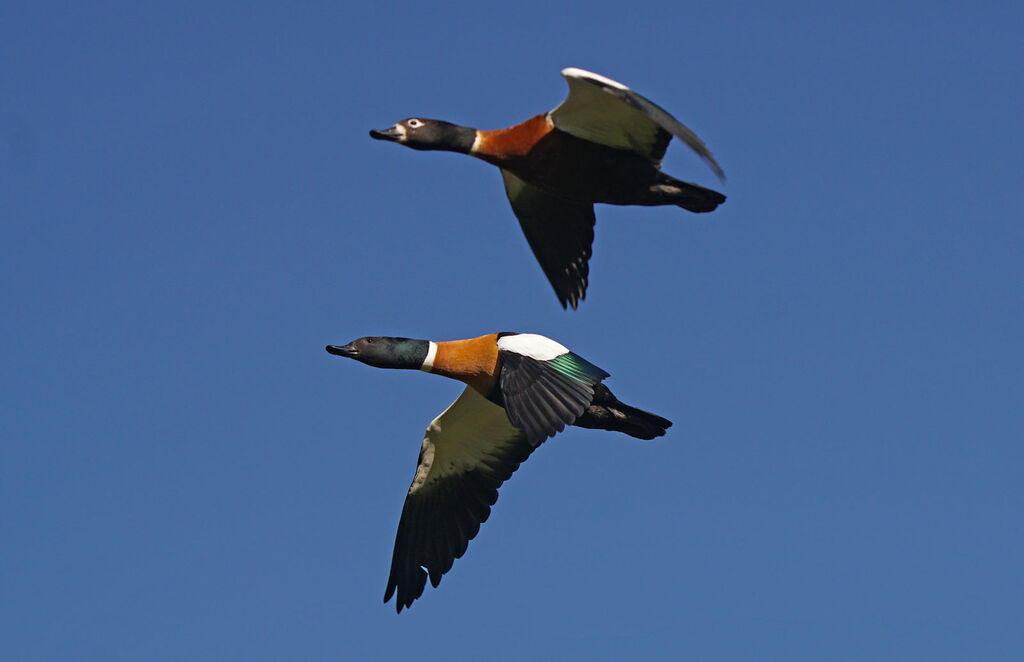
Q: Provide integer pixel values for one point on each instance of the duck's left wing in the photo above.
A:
(605, 111)
(467, 453)
(544, 386)
(560, 233)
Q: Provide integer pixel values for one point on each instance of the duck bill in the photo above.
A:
(394, 134)
(347, 351)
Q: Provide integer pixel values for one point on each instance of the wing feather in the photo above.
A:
(467, 453)
(607, 112)
(543, 396)
(560, 233)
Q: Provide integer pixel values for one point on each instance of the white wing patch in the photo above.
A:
(592, 113)
(533, 345)
(574, 72)
(466, 434)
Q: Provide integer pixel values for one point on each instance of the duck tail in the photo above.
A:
(606, 412)
(690, 197)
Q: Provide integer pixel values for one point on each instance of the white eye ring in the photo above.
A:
(414, 123)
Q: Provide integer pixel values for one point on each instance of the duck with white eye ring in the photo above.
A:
(604, 143)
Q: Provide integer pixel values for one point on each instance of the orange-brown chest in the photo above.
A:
(501, 144)
(556, 161)
(473, 361)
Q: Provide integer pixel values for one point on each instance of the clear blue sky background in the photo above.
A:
(191, 209)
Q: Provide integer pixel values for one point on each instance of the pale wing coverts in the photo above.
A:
(467, 453)
(605, 111)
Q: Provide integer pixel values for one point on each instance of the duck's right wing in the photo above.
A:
(467, 453)
(544, 385)
(607, 112)
(560, 233)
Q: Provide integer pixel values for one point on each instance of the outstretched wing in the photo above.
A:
(560, 233)
(605, 111)
(544, 386)
(468, 452)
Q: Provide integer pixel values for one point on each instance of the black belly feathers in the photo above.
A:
(603, 143)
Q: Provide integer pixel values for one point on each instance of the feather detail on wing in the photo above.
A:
(560, 233)
(467, 453)
(543, 395)
(607, 112)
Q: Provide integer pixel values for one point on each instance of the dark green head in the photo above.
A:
(421, 133)
(384, 352)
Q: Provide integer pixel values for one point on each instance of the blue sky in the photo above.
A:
(191, 209)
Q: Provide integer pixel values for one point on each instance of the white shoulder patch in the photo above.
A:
(573, 72)
(533, 345)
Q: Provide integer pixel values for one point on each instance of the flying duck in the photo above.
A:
(521, 389)
(604, 143)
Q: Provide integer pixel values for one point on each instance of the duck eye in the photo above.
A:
(414, 123)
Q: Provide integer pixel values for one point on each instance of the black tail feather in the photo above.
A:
(606, 412)
(690, 197)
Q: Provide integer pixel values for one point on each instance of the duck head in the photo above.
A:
(428, 134)
(385, 352)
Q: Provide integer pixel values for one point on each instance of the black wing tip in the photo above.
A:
(572, 290)
(404, 600)
(570, 299)
(569, 287)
